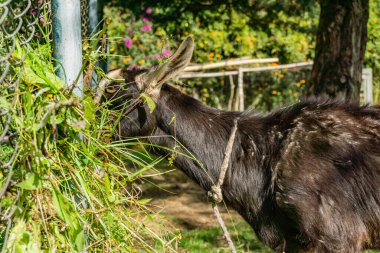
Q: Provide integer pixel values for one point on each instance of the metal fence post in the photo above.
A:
(68, 42)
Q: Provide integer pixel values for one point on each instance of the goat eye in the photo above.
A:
(110, 90)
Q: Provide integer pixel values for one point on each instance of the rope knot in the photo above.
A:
(215, 194)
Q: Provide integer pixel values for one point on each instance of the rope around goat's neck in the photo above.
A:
(216, 192)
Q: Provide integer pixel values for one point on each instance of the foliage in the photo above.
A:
(133, 42)
(221, 32)
(372, 56)
(228, 30)
(72, 189)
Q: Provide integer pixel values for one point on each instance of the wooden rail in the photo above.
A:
(236, 72)
(228, 63)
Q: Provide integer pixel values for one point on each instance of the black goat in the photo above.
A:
(306, 177)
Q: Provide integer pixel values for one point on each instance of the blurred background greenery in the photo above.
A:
(143, 33)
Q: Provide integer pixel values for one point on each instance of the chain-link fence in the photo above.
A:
(18, 21)
(22, 23)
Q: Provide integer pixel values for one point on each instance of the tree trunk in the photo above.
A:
(339, 52)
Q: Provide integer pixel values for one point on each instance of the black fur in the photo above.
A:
(306, 177)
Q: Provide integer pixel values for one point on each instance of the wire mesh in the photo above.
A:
(19, 21)
(84, 17)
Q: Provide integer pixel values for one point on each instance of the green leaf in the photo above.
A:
(89, 109)
(144, 201)
(31, 77)
(33, 182)
(4, 104)
(149, 101)
(62, 208)
(172, 119)
(107, 184)
(80, 241)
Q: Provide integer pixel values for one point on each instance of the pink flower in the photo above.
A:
(146, 28)
(130, 31)
(42, 21)
(156, 56)
(33, 11)
(128, 43)
(148, 11)
(166, 53)
(146, 20)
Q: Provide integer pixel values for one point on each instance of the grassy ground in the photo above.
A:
(211, 240)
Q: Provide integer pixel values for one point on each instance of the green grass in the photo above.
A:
(212, 240)
(73, 189)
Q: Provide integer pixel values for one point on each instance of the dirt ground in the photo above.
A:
(184, 202)
(180, 204)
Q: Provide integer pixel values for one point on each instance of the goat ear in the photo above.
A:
(152, 80)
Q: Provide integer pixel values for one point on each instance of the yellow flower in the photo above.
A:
(303, 81)
(211, 55)
(186, 33)
(298, 84)
(205, 90)
(237, 39)
(282, 75)
(206, 95)
(126, 59)
(295, 94)
(276, 73)
(274, 92)
(217, 56)
(134, 38)
(250, 45)
(112, 49)
(141, 62)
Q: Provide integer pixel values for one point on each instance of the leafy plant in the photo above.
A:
(72, 189)
(283, 29)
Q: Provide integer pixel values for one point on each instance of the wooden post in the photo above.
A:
(232, 92)
(241, 90)
(367, 86)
